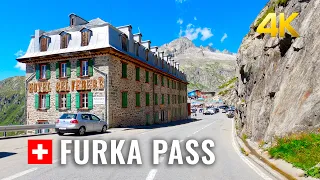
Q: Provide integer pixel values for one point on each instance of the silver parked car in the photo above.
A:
(80, 123)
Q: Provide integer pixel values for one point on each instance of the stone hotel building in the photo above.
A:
(94, 67)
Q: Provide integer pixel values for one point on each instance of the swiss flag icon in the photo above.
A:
(39, 151)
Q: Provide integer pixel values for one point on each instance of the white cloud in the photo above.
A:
(195, 18)
(19, 65)
(19, 53)
(193, 33)
(225, 35)
(180, 21)
(180, 1)
(210, 44)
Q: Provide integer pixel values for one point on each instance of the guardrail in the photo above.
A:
(16, 128)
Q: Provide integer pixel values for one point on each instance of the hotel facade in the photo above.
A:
(94, 67)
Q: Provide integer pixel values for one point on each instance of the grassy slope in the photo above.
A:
(302, 150)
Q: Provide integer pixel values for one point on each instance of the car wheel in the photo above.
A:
(82, 131)
(60, 133)
(104, 129)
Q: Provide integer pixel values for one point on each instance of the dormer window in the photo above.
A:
(44, 43)
(137, 49)
(124, 42)
(64, 40)
(85, 36)
(147, 54)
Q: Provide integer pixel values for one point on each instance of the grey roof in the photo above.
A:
(92, 23)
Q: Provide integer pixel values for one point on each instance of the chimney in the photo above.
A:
(37, 34)
(76, 20)
(178, 66)
(161, 54)
(137, 37)
(146, 44)
(127, 29)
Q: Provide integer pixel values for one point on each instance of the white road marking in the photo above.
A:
(250, 164)
(20, 174)
(201, 129)
(152, 174)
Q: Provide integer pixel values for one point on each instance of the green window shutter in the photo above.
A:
(36, 101)
(47, 101)
(57, 70)
(156, 99)
(68, 101)
(48, 71)
(124, 99)
(137, 74)
(37, 71)
(57, 101)
(162, 98)
(168, 98)
(172, 84)
(156, 79)
(90, 100)
(168, 81)
(147, 99)
(90, 67)
(162, 81)
(147, 76)
(78, 69)
(138, 99)
(124, 70)
(68, 69)
(78, 100)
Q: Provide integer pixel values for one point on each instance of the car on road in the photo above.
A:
(80, 123)
(216, 110)
(225, 110)
(230, 113)
(209, 112)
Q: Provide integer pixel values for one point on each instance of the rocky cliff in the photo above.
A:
(279, 78)
(206, 68)
(12, 101)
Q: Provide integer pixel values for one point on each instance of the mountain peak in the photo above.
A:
(177, 46)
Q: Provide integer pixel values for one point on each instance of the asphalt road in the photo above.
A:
(229, 163)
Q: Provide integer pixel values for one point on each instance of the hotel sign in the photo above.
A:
(65, 85)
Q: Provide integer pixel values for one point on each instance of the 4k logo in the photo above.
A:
(283, 25)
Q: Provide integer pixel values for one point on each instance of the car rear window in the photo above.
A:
(68, 116)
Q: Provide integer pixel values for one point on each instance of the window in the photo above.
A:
(147, 55)
(84, 100)
(124, 42)
(85, 116)
(137, 74)
(64, 40)
(85, 36)
(155, 99)
(138, 99)
(63, 101)
(147, 76)
(147, 99)
(94, 118)
(155, 79)
(168, 82)
(124, 70)
(44, 43)
(124, 99)
(162, 81)
(162, 98)
(168, 98)
(63, 71)
(42, 101)
(43, 70)
(84, 68)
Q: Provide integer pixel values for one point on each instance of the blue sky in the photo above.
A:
(221, 24)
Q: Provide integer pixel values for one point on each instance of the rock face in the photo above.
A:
(206, 68)
(279, 78)
(12, 101)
